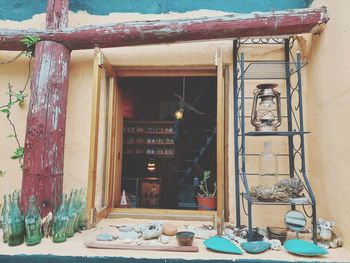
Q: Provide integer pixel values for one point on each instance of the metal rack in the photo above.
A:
(245, 70)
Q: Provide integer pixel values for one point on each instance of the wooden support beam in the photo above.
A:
(46, 120)
(170, 31)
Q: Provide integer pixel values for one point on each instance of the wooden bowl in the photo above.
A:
(185, 238)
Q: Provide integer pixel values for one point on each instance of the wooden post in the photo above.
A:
(46, 120)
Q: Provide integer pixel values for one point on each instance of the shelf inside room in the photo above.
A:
(149, 138)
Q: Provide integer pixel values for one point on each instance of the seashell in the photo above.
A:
(275, 244)
(164, 239)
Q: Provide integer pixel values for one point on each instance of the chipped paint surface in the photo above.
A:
(171, 31)
(24, 9)
(46, 120)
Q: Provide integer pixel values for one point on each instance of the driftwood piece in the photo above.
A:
(169, 31)
(92, 244)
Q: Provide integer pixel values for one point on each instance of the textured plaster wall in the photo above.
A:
(328, 114)
(80, 94)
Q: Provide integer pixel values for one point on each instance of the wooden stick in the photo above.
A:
(92, 244)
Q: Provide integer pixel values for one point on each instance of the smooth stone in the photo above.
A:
(169, 229)
(152, 231)
(240, 240)
(104, 237)
(263, 232)
(127, 240)
(201, 233)
(229, 233)
(126, 229)
(140, 227)
(164, 239)
(221, 244)
(275, 244)
(256, 247)
(130, 234)
(304, 248)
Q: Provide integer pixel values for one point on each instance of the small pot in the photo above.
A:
(279, 233)
(185, 238)
(206, 203)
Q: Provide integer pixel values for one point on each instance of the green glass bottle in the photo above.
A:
(3, 211)
(76, 206)
(4, 214)
(71, 216)
(15, 223)
(82, 213)
(60, 220)
(33, 223)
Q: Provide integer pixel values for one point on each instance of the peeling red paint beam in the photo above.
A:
(171, 31)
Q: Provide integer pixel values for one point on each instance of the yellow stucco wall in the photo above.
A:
(326, 148)
(328, 111)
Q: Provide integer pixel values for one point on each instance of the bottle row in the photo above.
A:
(166, 150)
(148, 127)
(68, 218)
(149, 139)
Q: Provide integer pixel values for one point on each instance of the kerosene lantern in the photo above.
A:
(266, 111)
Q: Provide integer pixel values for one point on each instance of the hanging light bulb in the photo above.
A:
(179, 114)
(151, 166)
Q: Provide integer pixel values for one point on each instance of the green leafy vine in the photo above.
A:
(18, 98)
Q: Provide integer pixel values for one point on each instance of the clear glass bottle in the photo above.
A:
(268, 168)
(5, 213)
(60, 221)
(33, 223)
(15, 223)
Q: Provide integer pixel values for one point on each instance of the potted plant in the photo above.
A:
(206, 196)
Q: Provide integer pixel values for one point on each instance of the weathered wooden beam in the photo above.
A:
(170, 31)
(46, 120)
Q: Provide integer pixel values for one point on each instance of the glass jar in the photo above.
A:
(268, 167)
(32, 223)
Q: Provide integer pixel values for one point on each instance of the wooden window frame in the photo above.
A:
(222, 150)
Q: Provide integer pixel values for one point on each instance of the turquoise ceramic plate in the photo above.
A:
(304, 248)
(256, 246)
(221, 244)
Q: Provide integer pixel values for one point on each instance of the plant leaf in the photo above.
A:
(7, 111)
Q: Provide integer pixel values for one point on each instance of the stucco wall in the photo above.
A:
(319, 109)
(328, 114)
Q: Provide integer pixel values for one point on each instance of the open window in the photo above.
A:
(133, 129)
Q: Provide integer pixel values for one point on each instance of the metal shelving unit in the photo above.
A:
(270, 70)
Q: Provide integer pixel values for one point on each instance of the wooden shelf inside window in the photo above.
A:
(149, 138)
